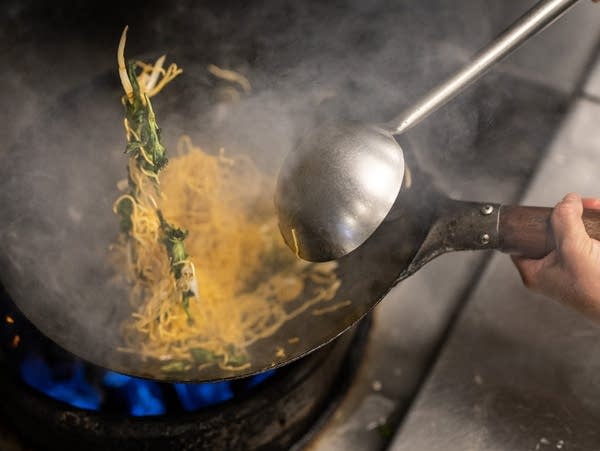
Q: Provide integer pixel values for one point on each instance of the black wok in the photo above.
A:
(57, 186)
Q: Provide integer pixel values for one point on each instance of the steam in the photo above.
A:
(311, 61)
(308, 62)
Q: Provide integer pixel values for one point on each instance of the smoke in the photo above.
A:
(315, 61)
(307, 61)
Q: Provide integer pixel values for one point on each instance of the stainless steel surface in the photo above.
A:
(519, 371)
(592, 87)
(340, 184)
(533, 21)
(331, 195)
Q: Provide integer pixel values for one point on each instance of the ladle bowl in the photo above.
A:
(341, 183)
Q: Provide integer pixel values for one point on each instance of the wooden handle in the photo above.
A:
(527, 231)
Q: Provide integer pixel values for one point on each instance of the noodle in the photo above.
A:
(235, 282)
(231, 76)
(249, 282)
(331, 308)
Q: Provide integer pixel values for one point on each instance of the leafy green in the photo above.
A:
(141, 119)
(124, 210)
(201, 355)
(145, 148)
(173, 238)
(177, 366)
(235, 358)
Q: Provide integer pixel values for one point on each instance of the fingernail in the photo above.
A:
(572, 197)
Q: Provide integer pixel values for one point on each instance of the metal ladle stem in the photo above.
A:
(533, 21)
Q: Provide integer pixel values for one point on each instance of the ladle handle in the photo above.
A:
(530, 23)
(527, 231)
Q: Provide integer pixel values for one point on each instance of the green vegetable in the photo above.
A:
(144, 145)
(201, 355)
(177, 366)
(173, 240)
(235, 358)
(124, 210)
(145, 148)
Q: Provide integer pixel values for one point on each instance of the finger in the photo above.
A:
(532, 270)
(591, 203)
(567, 225)
(526, 269)
(542, 276)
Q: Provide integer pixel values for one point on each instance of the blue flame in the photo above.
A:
(196, 396)
(74, 389)
(143, 397)
(67, 382)
(259, 378)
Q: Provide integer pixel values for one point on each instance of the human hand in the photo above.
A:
(571, 272)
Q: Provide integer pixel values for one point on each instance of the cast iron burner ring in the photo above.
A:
(269, 411)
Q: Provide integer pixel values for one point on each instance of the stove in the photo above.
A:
(381, 385)
(53, 400)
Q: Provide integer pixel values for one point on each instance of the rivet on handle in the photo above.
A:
(487, 209)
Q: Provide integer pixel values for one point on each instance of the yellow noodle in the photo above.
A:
(249, 283)
(331, 308)
(230, 75)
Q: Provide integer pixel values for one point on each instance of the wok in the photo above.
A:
(57, 186)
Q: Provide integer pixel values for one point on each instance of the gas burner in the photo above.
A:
(70, 403)
(45, 367)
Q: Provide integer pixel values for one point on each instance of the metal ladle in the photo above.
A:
(339, 184)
